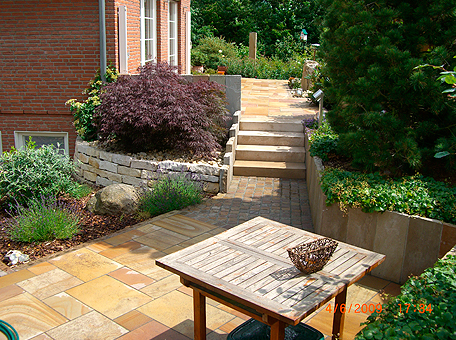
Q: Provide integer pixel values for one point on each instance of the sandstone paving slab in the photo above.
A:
(109, 296)
(132, 278)
(132, 320)
(85, 264)
(67, 305)
(154, 330)
(41, 268)
(15, 277)
(143, 260)
(10, 291)
(90, 326)
(162, 287)
(162, 239)
(49, 283)
(175, 310)
(29, 316)
(120, 249)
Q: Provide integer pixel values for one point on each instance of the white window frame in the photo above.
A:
(19, 138)
(153, 19)
(1, 145)
(173, 41)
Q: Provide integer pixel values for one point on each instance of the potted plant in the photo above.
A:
(198, 60)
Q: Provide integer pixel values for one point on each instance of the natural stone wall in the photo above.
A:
(411, 243)
(105, 168)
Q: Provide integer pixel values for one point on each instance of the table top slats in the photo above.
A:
(223, 259)
(339, 257)
(186, 256)
(242, 229)
(277, 242)
(287, 274)
(250, 264)
(255, 236)
(299, 292)
(264, 265)
(268, 239)
(228, 267)
(241, 262)
(205, 256)
(317, 298)
(252, 251)
(299, 280)
(281, 248)
(255, 282)
(242, 268)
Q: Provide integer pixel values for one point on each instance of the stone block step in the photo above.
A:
(270, 153)
(271, 138)
(269, 169)
(270, 124)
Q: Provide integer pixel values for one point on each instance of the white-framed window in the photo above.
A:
(172, 33)
(148, 31)
(1, 146)
(58, 139)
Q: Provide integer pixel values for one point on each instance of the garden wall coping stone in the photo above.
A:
(411, 243)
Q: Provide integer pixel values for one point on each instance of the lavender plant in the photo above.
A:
(44, 219)
(171, 192)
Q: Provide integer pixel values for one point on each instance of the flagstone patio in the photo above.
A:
(112, 289)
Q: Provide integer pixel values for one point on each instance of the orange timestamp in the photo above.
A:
(354, 308)
(420, 308)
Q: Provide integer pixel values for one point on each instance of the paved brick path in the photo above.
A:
(282, 200)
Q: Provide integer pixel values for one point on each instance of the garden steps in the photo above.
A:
(270, 147)
(279, 138)
(270, 124)
(269, 169)
(271, 153)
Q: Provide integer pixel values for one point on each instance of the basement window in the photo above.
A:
(58, 139)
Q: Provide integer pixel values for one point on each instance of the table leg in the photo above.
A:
(278, 330)
(199, 311)
(339, 317)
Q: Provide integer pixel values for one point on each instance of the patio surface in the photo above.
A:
(112, 289)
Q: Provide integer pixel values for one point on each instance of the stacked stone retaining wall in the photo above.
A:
(104, 168)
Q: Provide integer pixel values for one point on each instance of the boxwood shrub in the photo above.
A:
(423, 310)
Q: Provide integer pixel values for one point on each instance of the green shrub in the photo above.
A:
(30, 173)
(266, 68)
(211, 52)
(170, 193)
(413, 195)
(45, 219)
(323, 141)
(83, 113)
(78, 190)
(389, 115)
(423, 310)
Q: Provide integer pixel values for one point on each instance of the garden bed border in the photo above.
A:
(411, 243)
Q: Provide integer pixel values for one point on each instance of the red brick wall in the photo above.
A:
(134, 31)
(36, 122)
(49, 51)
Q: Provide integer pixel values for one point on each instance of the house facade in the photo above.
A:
(50, 49)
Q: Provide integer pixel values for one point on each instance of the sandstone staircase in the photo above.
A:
(270, 147)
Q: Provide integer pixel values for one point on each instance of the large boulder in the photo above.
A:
(114, 199)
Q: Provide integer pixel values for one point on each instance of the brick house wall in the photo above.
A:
(50, 51)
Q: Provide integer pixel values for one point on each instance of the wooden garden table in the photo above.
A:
(247, 268)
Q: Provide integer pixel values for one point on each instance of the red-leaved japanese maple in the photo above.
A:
(158, 109)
